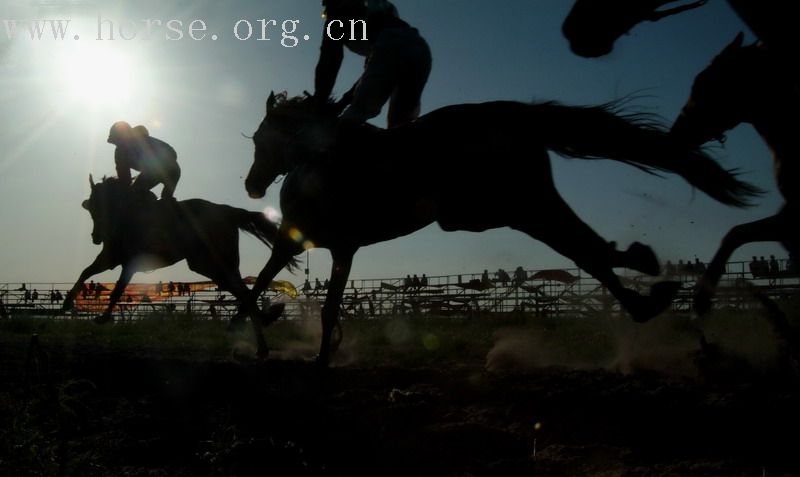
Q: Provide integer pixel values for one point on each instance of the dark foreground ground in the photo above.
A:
(100, 410)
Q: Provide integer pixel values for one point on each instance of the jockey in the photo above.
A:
(156, 160)
(398, 61)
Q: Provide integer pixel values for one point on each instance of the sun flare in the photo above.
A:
(98, 75)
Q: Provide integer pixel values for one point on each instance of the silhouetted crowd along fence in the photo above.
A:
(534, 292)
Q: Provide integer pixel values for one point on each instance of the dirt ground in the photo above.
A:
(96, 412)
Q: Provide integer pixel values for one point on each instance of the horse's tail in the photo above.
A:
(265, 230)
(603, 132)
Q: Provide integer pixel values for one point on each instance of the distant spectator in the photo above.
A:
(699, 267)
(415, 282)
(317, 284)
(424, 280)
(503, 277)
(98, 289)
(520, 276)
(306, 286)
(27, 296)
(763, 265)
(669, 269)
(754, 269)
(159, 287)
(408, 283)
(485, 278)
(791, 265)
(774, 267)
(171, 288)
(688, 268)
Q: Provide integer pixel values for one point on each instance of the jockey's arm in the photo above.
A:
(123, 166)
(330, 60)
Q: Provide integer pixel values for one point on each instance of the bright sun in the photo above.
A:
(97, 75)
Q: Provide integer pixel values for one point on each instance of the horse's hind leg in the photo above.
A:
(342, 261)
(775, 228)
(232, 281)
(567, 234)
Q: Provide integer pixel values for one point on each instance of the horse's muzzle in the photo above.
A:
(254, 191)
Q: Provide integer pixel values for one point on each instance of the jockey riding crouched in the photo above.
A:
(398, 61)
(156, 161)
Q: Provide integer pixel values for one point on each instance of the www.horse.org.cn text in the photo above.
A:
(148, 29)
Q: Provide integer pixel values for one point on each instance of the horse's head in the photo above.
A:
(722, 94)
(101, 204)
(294, 130)
(592, 26)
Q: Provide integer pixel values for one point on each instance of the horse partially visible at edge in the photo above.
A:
(748, 84)
(140, 233)
(441, 167)
(593, 26)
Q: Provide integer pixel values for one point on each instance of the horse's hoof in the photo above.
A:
(103, 319)
(322, 361)
(702, 303)
(237, 323)
(645, 308)
(702, 299)
(643, 259)
(272, 314)
(665, 291)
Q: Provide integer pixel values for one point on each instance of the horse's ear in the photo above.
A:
(659, 14)
(91, 181)
(271, 101)
(736, 43)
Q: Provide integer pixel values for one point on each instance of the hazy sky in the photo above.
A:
(58, 99)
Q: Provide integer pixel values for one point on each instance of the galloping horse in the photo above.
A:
(593, 26)
(748, 84)
(141, 233)
(439, 169)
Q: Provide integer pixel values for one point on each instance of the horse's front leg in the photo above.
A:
(342, 262)
(280, 258)
(116, 293)
(101, 263)
(764, 230)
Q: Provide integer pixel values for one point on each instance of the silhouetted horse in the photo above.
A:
(442, 167)
(748, 84)
(141, 233)
(593, 26)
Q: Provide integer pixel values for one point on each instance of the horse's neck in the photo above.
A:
(779, 133)
(773, 108)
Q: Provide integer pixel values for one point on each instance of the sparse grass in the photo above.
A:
(594, 341)
(55, 422)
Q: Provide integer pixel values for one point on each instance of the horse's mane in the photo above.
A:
(114, 189)
(306, 103)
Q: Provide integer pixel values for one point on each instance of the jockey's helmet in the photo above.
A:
(120, 131)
